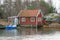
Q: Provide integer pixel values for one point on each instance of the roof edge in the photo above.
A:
(38, 13)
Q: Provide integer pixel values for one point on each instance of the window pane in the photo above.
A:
(24, 19)
(39, 19)
(32, 19)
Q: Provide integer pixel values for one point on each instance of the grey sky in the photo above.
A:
(1, 1)
(56, 3)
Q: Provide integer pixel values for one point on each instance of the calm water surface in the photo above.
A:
(30, 34)
(26, 31)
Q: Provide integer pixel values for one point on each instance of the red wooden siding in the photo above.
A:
(28, 14)
(40, 15)
(28, 21)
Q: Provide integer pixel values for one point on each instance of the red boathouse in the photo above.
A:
(30, 17)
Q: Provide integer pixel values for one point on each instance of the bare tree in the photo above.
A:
(12, 7)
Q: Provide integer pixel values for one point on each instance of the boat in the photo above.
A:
(10, 27)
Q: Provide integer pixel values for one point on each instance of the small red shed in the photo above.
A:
(30, 17)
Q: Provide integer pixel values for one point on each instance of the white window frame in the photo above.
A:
(39, 19)
(32, 19)
(23, 19)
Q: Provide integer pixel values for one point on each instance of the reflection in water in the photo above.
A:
(8, 32)
(28, 31)
(25, 31)
(29, 34)
(11, 32)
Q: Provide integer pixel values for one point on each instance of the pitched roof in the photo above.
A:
(28, 13)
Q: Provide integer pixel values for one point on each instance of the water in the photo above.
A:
(29, 34)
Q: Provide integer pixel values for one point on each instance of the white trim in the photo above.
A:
(42, 13)
(39, 19)
(19, 13)
(33, 19)
(19, 16)
(13, 17)
(36, 24)
(38, 12)
(23, 19)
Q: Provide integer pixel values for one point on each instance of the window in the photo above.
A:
(39, 19)
(32, 19)
(23, 19)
